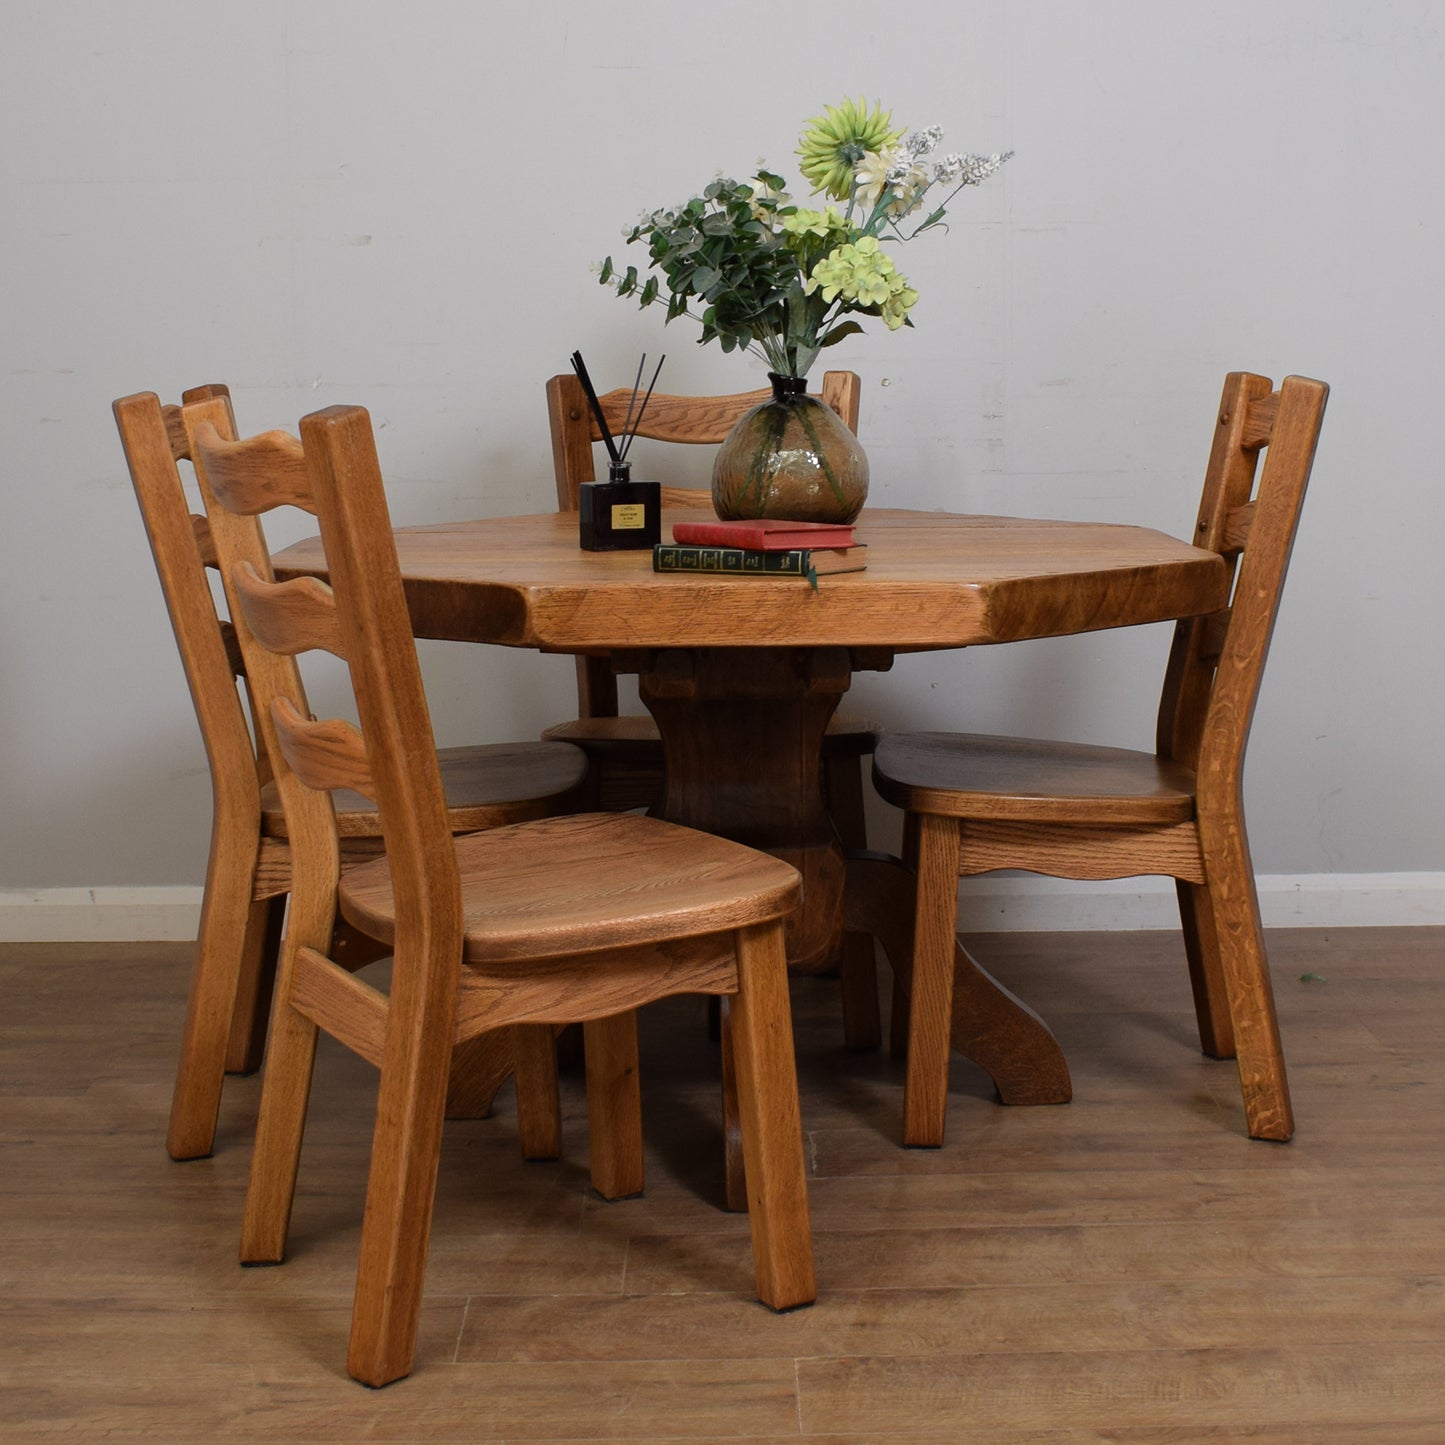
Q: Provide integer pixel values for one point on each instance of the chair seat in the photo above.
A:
(589, 882)
(636, 736)
(486, 787)
(968, 775)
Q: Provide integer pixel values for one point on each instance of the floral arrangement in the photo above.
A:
(783, 281)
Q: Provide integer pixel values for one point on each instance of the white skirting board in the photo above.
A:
(1018, 903)
(98, 915)
(1000, 903)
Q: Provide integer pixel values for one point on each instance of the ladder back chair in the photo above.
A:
(625, 752)
(249, 868)
(585, 917)
(978, 803)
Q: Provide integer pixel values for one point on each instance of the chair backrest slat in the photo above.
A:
(1259, 416)
(1217, 663)
(688, 420)
(261, 473)
(201, 531)
(1237, 522)
(289, 617)
(324, 755)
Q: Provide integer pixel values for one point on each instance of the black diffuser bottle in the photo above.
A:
(619, 514)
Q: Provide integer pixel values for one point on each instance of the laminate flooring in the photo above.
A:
(1129, 1267)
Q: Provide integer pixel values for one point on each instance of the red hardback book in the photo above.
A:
(764, 535)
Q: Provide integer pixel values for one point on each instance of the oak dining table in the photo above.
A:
(743, 673)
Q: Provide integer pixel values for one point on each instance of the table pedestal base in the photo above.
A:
(742, 734)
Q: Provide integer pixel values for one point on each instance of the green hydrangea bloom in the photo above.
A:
(895, 309)
(803, 222)
(863, 273)
(856, 271)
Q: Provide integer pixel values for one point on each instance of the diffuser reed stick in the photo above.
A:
(630, 424)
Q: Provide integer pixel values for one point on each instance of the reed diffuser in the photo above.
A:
(618, 514)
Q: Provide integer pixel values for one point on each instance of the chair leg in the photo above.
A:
(1235, 911)
(843, 792)
(901, 966)
(227, 917)
(762, 1038)
(862, 1019)
(1206, 977)
(252, 1010)
(400, 1195)
(539, 1104)
(285, 1093)
(614, 1105)
(930, 1012)
(898, 1020)
(735, 1185)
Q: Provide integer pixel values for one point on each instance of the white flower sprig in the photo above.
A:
(901, 172)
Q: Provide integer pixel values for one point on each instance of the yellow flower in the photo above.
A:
(838, 139)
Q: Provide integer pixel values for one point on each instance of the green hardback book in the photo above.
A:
(748, 562)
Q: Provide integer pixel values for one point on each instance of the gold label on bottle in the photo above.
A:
(628, 518)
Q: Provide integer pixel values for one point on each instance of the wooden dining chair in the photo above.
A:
(978, 803)
(249, 869)
(625, 752)
(585, 917)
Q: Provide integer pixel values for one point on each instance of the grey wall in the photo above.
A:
(398, 206)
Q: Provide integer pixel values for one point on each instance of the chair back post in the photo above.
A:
(573, 430)
(842, 391)
(1271, 524)
(1217, 663)
(154, 442)
(376, 630)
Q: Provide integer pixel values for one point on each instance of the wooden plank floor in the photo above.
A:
(1126, 1268)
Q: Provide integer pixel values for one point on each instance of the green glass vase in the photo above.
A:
(790, 457)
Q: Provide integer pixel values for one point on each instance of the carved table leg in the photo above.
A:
(997, 1031)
